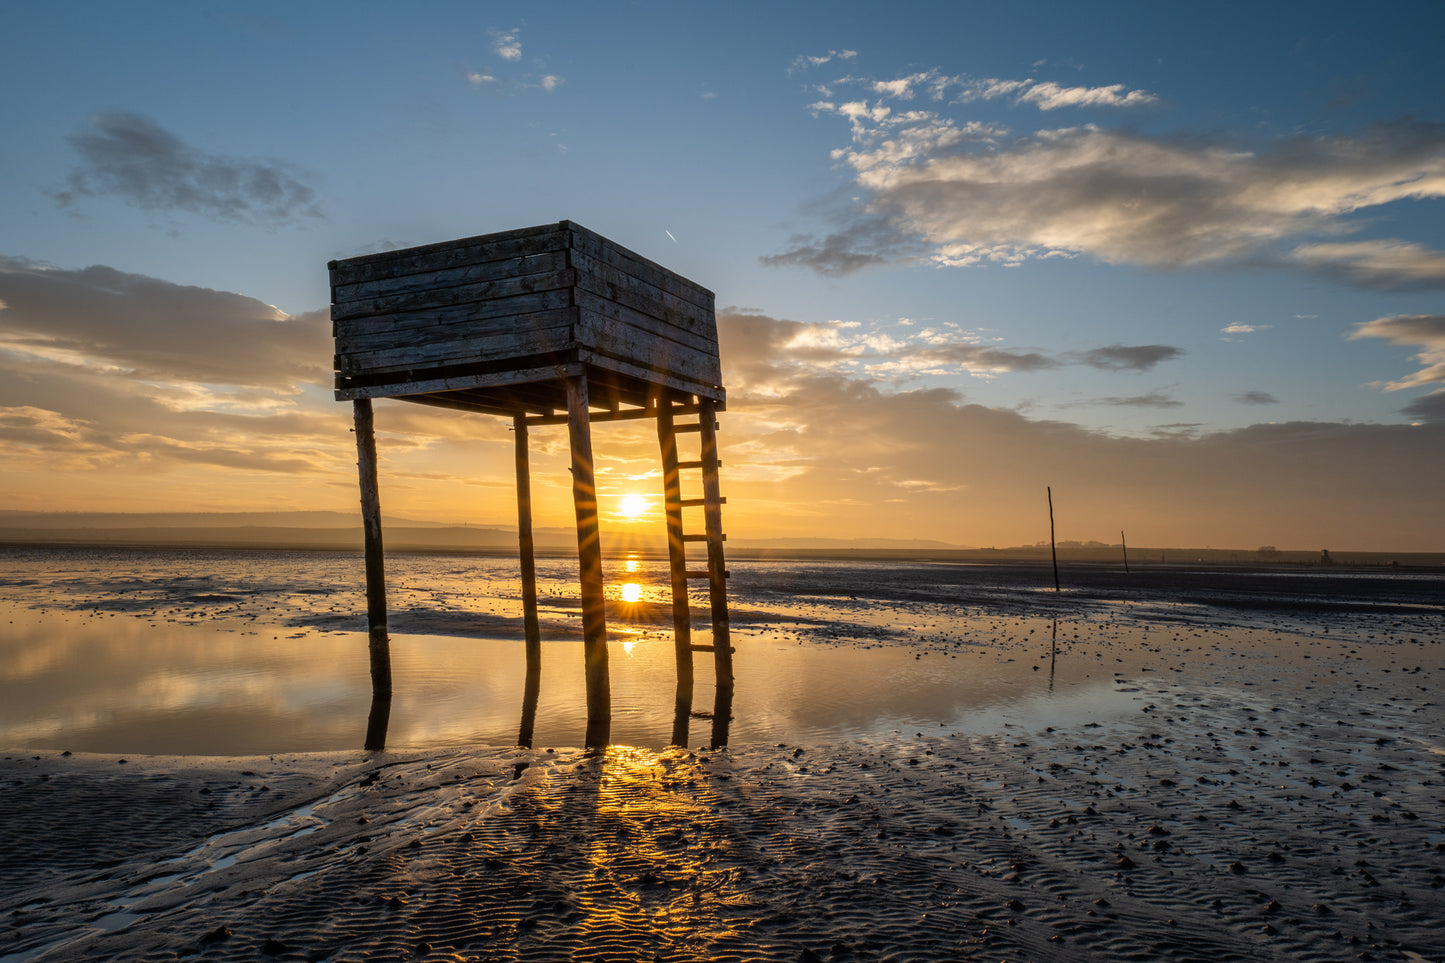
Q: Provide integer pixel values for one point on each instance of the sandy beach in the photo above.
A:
(1277, 795)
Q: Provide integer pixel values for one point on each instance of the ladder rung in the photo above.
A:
(690, 464)
(702, 538)
(704, 573)
(704, 647)
(687, 427)
(697, 502)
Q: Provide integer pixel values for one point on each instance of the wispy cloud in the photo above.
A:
(809, 61)
(1124, 357)
(1043, 94)
(941, 188)
(1154, 399)
(1256, 398)
(506, 44)
(906, 352)
(1427, 331)
(132, 157)
(509, 77)
(1377, 264)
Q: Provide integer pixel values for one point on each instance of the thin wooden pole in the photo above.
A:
(677, 566)
(379, 641)
(1125, 547)
(716, 563)
(1053, 548)
(530, 625)
(589, 557)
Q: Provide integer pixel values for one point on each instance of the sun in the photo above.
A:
(633, 505)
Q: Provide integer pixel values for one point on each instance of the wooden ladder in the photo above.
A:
(716, 572)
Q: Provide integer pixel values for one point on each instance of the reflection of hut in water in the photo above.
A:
(546, 325)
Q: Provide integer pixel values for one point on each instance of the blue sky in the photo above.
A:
(1067, 244)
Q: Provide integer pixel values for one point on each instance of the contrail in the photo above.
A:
(669, 235)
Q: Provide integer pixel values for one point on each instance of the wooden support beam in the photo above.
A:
(378, 639)
(531, 627)
(589, 556)
(677, 566)
(624, 414)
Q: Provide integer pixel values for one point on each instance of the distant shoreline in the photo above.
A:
(485, 542)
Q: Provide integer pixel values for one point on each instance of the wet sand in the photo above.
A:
(1276, 795)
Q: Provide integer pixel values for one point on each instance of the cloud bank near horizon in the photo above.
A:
(215, 400)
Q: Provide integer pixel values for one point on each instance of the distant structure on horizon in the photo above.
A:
(545, 325)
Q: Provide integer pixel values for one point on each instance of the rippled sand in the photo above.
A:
(1277, 800)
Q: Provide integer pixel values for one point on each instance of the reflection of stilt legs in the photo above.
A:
(531, 628)
(677, 567)
(378, 640)
(1053, 654)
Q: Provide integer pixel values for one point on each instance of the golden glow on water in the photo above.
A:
(631, 592)
(632, 564)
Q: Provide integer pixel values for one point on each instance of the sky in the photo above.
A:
(1183, 264)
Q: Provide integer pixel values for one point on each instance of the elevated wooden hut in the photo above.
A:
(545, 325)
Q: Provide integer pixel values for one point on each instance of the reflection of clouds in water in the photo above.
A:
(825, 650)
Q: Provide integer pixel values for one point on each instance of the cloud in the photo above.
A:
(958, 193)
(149, 329)
(101, 370)
(1154, 399)
(1430, 408)
(1238, 328)
(507, 45)
(807, 62)
(1123, 357)
(1426, 331)
(1256, 398)
(1043, 94)
(131, 157)
(902, 353)
(808, 444)
(1388, 265)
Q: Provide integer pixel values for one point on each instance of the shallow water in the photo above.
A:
(208, 652)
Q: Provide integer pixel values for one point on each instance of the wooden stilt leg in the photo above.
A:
(379, 642)
(677, 564)
(716, 563)
(530, 627)
(589, 556)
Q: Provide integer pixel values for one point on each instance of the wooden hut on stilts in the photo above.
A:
(545, 325)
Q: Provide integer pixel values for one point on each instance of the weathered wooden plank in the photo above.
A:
(594, 245)
(460, 382)
(592, 305)
(472, 327)
(359, 298)
(403, 325)
(515, 343)
(467, 250)
(628, 343)
(619, 286)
